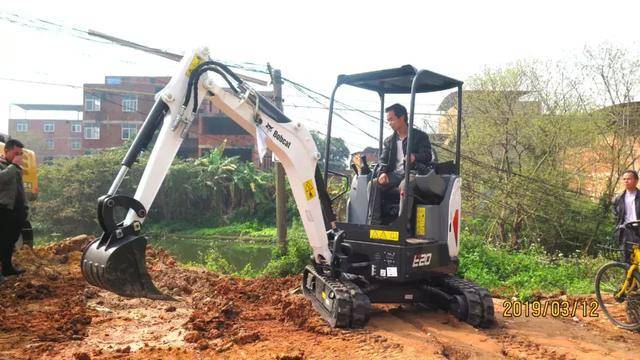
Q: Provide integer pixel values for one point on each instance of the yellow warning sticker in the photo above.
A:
(194, 63)
(383, 235)
(309, 189)
(421, 219)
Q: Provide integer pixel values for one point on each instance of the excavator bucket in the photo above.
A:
(119, 265)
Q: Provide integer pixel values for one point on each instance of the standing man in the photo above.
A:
(626, 208)
(392, 164)
(13, 204)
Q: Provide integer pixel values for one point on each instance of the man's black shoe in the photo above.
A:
(14, 271)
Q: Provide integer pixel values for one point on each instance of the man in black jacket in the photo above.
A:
(392, 167)
(626, 208)
(13, 204)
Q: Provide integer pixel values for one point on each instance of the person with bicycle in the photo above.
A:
(626, 207)
(617, 283)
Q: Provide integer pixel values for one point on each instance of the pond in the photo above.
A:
(189, 249)
(237, 253)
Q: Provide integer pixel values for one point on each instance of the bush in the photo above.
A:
(296, 256)
(524, 274)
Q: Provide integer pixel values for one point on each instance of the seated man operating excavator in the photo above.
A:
(392, 166)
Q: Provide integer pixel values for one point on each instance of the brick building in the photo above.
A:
(51, 130)
(113, 112)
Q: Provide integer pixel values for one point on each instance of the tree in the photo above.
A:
(338, 152)
(213, 188)
(520, 128)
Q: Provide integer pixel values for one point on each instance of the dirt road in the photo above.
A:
(51, 313)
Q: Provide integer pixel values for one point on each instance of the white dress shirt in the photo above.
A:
(399, 158)
(630, 206)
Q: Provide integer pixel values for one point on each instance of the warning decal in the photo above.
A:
(421, 219)
(309, 190)
(383, 235)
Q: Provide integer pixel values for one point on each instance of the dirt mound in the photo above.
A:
(297, 310)
(47, 302)
(50, 312)
(77, 243)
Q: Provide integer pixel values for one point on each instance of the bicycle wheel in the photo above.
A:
(624, 311)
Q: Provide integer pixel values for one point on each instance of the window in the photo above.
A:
(48, 127)
(129, 103)
(91, 103)
(129, 131)
(22, 126)
(113, 80)
(76, 127)
(75, 144)
(92, 132)
(50, 144)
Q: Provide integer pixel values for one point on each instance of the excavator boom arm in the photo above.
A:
(116, 260)
(289, 140)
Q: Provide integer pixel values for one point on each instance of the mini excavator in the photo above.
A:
(411, 258)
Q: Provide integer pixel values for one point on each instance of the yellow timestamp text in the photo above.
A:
(554, 308)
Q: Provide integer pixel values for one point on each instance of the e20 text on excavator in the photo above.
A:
(412, 258)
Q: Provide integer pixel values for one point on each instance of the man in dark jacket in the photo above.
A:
(392, 167)
(626, 208)
(13, 204)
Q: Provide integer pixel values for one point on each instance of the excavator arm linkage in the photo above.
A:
(116, 260)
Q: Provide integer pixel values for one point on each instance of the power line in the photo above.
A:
(511, 172)
(300, 87)
(515, 208)
(345, 109)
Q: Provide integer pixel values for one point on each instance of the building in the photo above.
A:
(482, 101)
(113, 112)
(51, 130)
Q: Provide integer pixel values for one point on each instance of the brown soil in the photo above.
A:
(52, 313)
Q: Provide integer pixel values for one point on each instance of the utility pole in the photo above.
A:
(281, 194)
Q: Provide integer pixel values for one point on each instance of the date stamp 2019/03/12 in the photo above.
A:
(554, 308)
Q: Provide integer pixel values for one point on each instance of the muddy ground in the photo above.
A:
(52, 313)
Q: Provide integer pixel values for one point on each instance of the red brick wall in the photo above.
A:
(35, 137)
(111, 117)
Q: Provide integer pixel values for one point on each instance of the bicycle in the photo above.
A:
(617, 284)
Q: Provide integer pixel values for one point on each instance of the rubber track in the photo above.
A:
(481, 313)
(351, 307)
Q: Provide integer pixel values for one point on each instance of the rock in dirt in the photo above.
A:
(32, 291)
(297, 356)
(192, 337)
(202, 344)
(246, 338)
(81, 356)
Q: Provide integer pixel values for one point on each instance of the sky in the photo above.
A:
(311, 42)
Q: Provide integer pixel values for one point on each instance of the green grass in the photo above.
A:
(245, 229)
(528, 274)
(250, 229)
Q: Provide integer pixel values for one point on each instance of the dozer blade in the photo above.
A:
(119, 265)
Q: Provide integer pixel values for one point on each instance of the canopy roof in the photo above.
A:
(399, 80)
